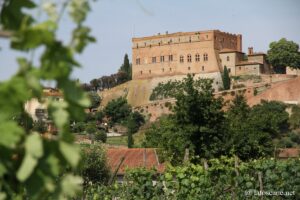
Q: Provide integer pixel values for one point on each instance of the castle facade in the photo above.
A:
(201, 52)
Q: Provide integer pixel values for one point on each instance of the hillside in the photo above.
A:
(286, 91)
(138, 92)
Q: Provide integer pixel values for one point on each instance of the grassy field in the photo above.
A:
(118, 140)
(122, 140)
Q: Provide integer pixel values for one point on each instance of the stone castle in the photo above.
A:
(202, 52)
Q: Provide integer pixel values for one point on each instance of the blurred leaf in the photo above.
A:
(11, 134)
(59, 113)
(71, 185)
(33, 37)
(81, 38)
(34, 150)
(70, 153)
(12, 16)
(26, 168)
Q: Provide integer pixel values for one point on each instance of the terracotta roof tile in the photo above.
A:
(289, 153)
(133, 158)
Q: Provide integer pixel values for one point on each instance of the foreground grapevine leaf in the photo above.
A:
(10, 133)
(34, 151)
(70, 152)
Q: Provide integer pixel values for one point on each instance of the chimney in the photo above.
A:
(250, 50)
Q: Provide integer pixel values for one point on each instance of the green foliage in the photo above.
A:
(165, 90)
(117, 110)
(99, 116)
(126, 68)
(282, 54)
(93, 167)
(91, 128)
(270, 117)
(39, 126)
(24, 120)
(247, 139)
(78, 127)
(294, 120)
(130, 141)
(32, 167)
(226, 79)
(219, 181)
(101, 136)
(95, 100)
(197, 122)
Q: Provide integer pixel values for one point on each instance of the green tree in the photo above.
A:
(101, 136)
(282, 54)
(117, 110)
(93, 167)
(226, 79)
(95, 100)
(126, 68)
(246, 140)
(91, 128)
(270, 117)
(294, 120)
(198, 122)
(134, 121)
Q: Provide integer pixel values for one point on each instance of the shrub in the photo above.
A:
(101, 136)
(91, 128)
(255, 92)
(78, 127)
(93, 166)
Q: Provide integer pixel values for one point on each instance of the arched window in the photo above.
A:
(205, 57)
(228, 58)
(181, 59)
(170, 58)
(189, 68)
(202, 68)
(141, 72)
(149, 71)
(197, 57)
(163, 69)
(189, 58)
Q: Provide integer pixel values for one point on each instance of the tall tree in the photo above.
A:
(95, 100)
(126, 67)
(226, 79)
(117, 110)
(198, 121)
(282, 54)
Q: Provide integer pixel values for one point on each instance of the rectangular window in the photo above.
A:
(153, 59)
(170, 58)
(138, 61)
(162, 59)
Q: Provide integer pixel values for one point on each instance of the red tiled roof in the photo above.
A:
(133, 158)
(289, 153)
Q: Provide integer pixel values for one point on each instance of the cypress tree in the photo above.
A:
(226, 79)
(126, 67)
